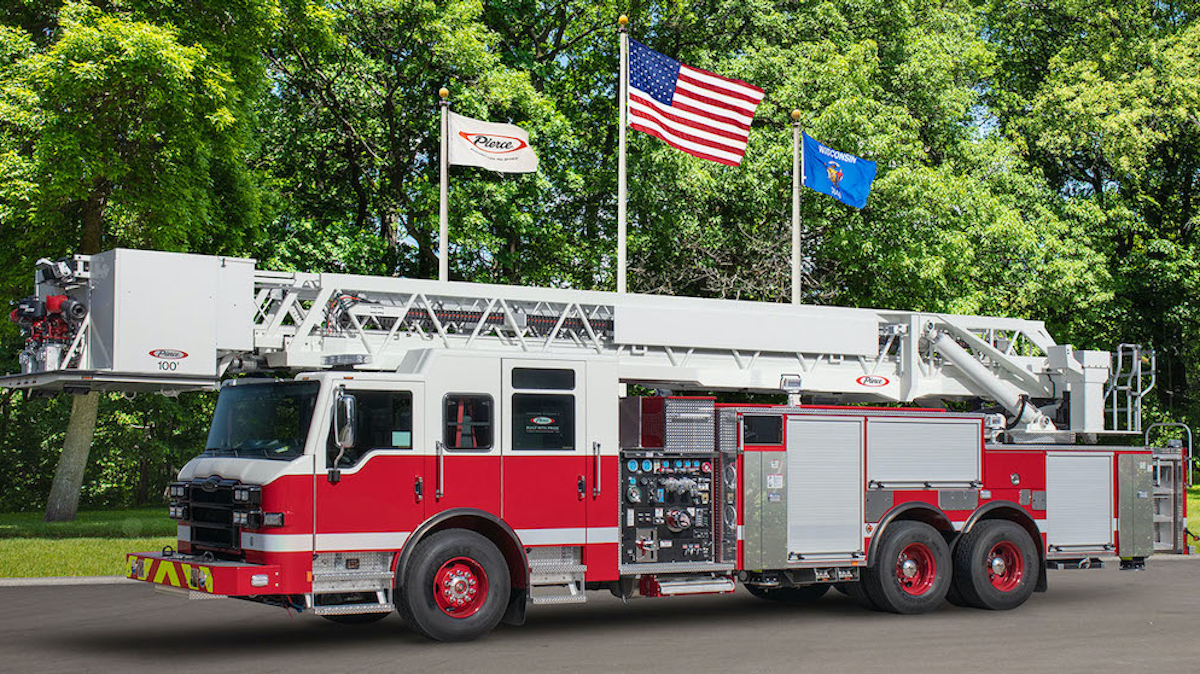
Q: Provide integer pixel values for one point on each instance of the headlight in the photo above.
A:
(177, 512)
(177, 490)
(247, 494)
(241, 518)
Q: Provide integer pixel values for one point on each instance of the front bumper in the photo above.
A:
(192, 572)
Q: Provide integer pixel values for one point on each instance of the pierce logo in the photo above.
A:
(169, 354)
(872, 380)
(494, 144)
(541, 421)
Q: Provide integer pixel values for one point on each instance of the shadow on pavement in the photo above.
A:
(245, 635)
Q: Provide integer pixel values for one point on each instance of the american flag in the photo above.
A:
(696, 111)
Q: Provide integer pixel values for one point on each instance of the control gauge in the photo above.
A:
(633, 495)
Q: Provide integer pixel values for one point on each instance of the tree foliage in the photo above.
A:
(1036, 159)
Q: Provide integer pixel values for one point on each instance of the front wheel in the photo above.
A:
(995, 565)
(912, 569)
(456, 587)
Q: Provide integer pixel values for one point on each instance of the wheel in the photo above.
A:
(796, 595)
(857, 591)
(995, 566)
(356, 618)
(912, 570)
(455, 588)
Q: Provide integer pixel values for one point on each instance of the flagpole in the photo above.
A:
(443, 205)
(797, 177)
(624, 106)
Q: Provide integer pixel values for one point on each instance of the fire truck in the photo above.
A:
(457, 452)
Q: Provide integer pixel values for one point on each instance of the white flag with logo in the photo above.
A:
(499, 147)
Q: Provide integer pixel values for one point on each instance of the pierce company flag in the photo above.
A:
(490, 145)
(699, 112)
(840, 175)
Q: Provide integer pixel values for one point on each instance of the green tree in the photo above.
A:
(118, 133)
(1104, 99)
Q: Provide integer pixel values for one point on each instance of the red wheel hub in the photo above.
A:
(1005, 566)
(460, 587)
(916, 569)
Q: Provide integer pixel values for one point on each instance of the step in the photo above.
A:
(572, 593)
(682, 586)
(580, 598)
(353, 575)
(351, 609)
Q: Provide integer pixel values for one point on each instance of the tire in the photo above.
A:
(473, 586)
(792, 595)
(356, 618)
(996, 566)
(858, 592)
(912, 570)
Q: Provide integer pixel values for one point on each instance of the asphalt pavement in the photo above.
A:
(1102, 620)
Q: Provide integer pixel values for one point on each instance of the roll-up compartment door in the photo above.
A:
(1079, 505)
(921, 450)
(824, 493)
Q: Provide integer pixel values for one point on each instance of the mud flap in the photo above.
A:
(518, 599)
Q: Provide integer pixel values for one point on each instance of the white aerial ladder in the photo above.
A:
(130, 320)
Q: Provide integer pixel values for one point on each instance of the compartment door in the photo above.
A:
(1079, 500)
(825, 486)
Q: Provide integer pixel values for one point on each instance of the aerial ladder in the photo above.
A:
(133, 320)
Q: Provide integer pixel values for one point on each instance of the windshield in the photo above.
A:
(262, 421)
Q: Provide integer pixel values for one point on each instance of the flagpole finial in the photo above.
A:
(795, 115)
(444, 93)
(623, 20)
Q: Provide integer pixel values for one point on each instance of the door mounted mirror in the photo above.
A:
(345, 421)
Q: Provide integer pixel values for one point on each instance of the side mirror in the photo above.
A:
(345, 417)
(345, 420)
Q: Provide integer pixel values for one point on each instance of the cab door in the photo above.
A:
(371, 503)
(544, 451)
(463, 467)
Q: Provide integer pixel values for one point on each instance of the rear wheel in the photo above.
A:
(912, 569)
(456, 586)
(796, 595)
(995, 566)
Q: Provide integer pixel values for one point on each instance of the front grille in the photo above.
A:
(210, 511)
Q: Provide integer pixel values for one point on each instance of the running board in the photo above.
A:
(559, 593)
(652, 586)
(353, 609)
(1080, 563)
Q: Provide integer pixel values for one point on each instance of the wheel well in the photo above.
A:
(1006, 510)
(489, 526)
(912, 512)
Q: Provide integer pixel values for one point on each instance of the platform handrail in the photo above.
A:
(1187, 474)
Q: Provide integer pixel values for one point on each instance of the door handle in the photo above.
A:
(441, 470)
(582, 486)
(419, 488)
(596, 455)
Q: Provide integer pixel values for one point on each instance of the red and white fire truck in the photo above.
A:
(457, 451)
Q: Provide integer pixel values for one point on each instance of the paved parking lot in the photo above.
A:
(1090, 621)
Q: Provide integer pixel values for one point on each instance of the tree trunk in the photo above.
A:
(68, 478)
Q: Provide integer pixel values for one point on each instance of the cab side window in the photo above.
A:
(467, 421)
(543, 409)
(385, 421)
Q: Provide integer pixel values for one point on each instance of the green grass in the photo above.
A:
(38, 557)
(1193, 508)
(131, 523)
